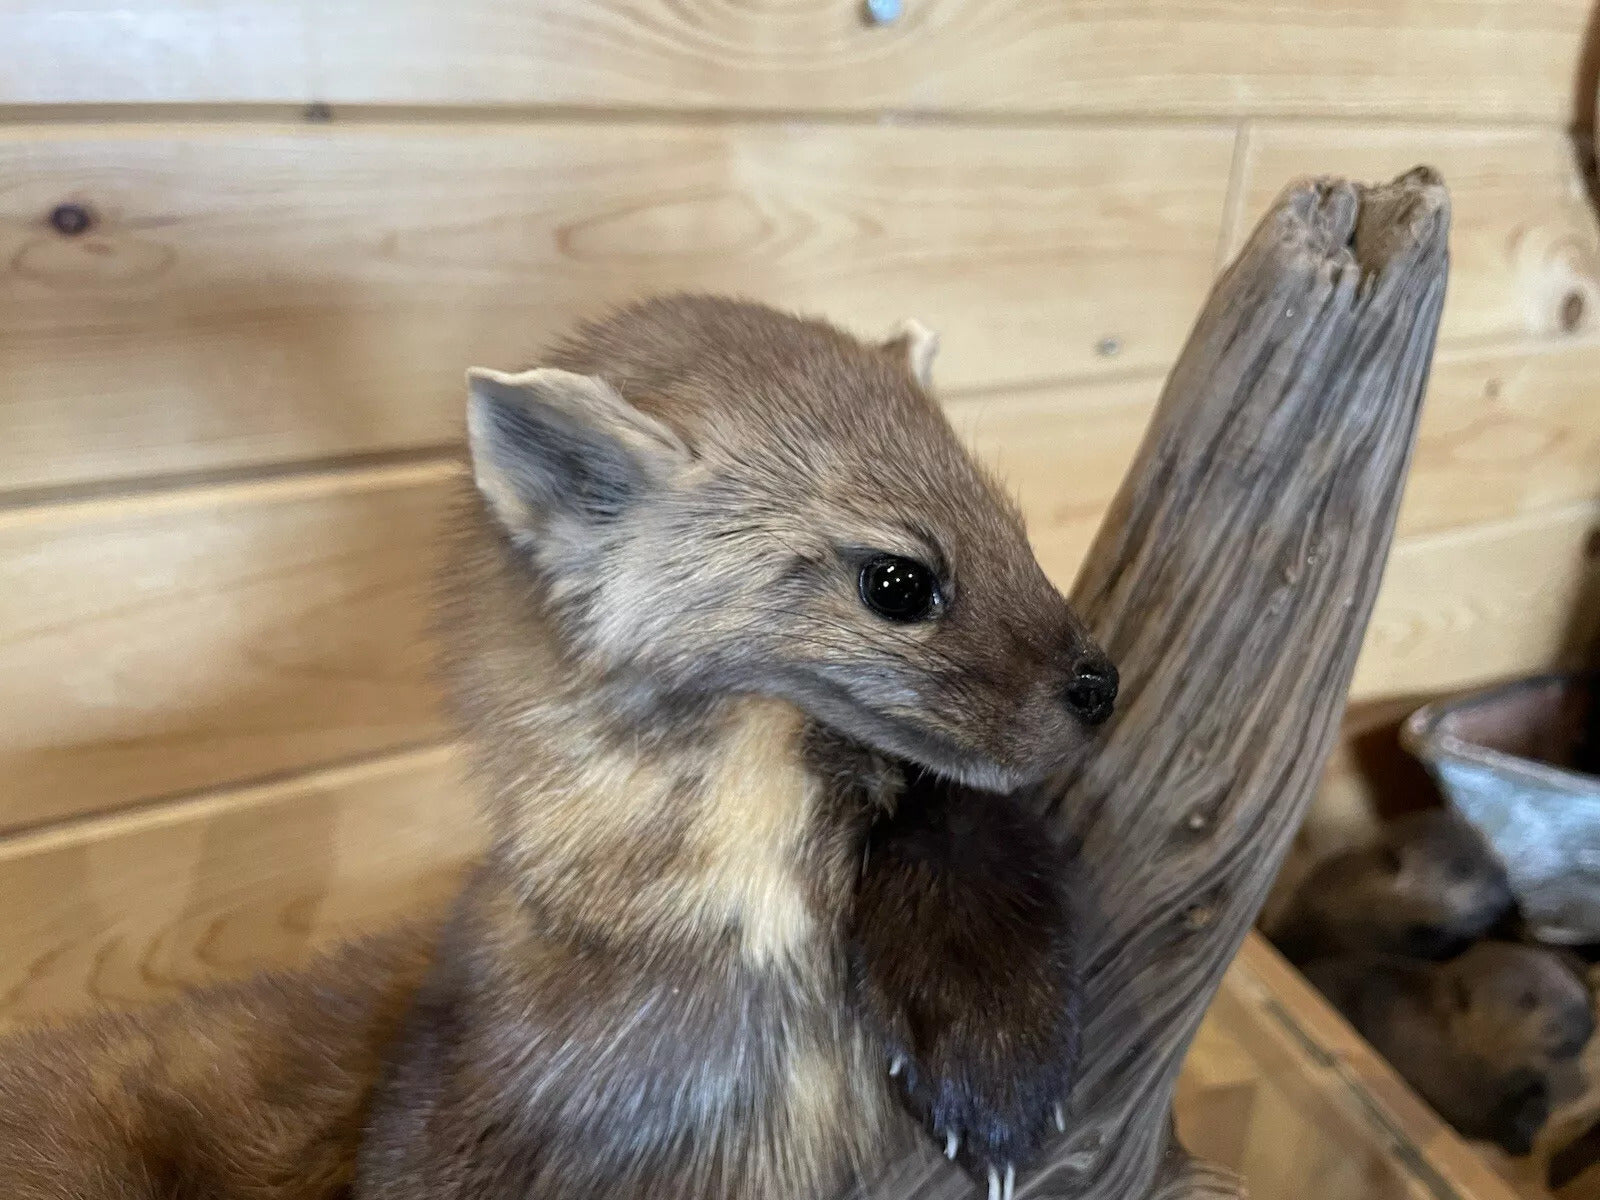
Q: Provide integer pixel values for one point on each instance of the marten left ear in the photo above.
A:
(915, 344)
(549, 443)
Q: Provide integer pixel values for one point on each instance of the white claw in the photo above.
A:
(951, 1144)
(898, 1065)
(1061, 1120)
(994, 1184)
(1011, 1182)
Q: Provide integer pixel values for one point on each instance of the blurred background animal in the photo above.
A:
(1426, 886)
(1491, 1038)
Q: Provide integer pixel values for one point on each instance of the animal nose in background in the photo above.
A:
(1091, 692)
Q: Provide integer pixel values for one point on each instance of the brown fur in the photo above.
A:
(1484, 1038)
(1427, 886)
(257, 1090)
(746, 901)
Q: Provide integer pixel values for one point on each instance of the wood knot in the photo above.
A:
(71, 220)
(1572, 310)
(318, 113)
(1082, 1151)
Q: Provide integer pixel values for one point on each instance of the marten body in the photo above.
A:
(747, 653)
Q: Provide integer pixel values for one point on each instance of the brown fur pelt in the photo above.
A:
(258, 1090)
(746, 652)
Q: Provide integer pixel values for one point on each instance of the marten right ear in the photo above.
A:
(914, 344)
(548, 442)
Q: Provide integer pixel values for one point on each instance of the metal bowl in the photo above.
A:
(1507, 759)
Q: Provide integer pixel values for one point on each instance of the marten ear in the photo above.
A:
(545, 442)
(915, 344)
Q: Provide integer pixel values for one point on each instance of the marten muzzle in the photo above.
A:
(1091, 689)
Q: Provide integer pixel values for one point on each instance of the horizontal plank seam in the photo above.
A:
(290, 483)
(1516, 346)
(386, 468)
(1535, 518)
(165, 811)
(352, 475)
(122, 487)
(1029, 389)
(275, 484)
(311, 113)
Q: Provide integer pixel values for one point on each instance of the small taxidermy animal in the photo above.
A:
(1427, 886)
(1489, 1038)
(747, 653)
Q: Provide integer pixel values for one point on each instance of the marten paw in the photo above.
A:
(963, 963)
(992, 1119)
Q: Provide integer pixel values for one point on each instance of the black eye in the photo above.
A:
(900, 589)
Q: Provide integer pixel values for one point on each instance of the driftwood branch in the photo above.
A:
(1232, 581)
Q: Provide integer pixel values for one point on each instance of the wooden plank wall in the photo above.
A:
(247, 248)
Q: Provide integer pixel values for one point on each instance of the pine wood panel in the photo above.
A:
(1505, 434)
(1525, 247)
(1062, 451)
(111, 51)
(123, 910)
(253, 294)
(1463, 58)
(259, 329)
(173, 642)
(1481, 603)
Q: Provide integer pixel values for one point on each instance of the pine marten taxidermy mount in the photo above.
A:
(747, 653)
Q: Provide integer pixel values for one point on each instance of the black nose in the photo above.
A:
(1092, 690)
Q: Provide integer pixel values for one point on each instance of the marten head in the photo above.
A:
(1520, 1005)
(713, 498)
(1427, 886)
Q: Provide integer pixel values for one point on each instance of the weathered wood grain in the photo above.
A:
(127, 909)
(1505, 59)
(1524, 243)
(177, 641)
(1231, 581)
(254, 294)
